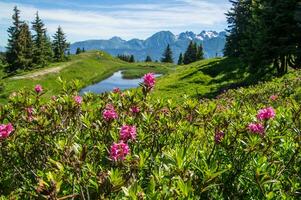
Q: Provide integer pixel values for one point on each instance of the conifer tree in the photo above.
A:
(59, 45)
(167, 55)
(24, 48)
(78, 50)
(200, 53)
(12, 47)
(180, 60)
(42, 52)
(148, 59)
(190, 54)
(132, 59)
(83, 50)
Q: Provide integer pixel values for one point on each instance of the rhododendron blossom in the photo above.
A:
(109, 113)
(135, 109)
(149, 80)
(117, 90)
(78, 100)
(256, 128)
(38, 89)
(5, 130)
(266, 113)
(119, 151)
(219, 136)
(128, 133)
(274, 97)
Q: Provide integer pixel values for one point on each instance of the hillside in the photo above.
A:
(243, 145)
(206, 78)
(212, 41)
(87, 68)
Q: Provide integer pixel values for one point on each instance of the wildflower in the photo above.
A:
(266, 113)
(78, 100)
(218, 137)
(256, 128)
(273, 97)
(119, 151)
(53, 98)
(38, 89)
(117, 90)
(149, 80)
(5, 130)
(135, 109)
(109, 113)
(29, 111)
(128, 133)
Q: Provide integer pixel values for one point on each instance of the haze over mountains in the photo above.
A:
(2, 49)
(212, 41)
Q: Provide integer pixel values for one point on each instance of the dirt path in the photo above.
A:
(43, 72)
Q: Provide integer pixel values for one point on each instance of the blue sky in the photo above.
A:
(103, 19)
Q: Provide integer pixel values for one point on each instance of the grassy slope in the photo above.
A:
(205, 78)
(87, 67)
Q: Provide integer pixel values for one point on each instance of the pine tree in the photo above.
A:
(180, 60)
(148, 59)
(42, 52)
(59, 45)
(200, 53)
(24, 48)
(132, 59)
(83, 50)
(191, 53)
(13, 34)
(167, 55)
(78, 50)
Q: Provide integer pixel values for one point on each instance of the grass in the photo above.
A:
(205, 78)
(88, 68)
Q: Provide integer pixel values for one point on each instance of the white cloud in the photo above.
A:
(125, 20)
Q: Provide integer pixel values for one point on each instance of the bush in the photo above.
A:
(69, 146)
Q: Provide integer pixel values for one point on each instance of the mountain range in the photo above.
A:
(213, 43)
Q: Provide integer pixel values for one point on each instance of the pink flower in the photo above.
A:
(38, 88)
(119, 151)
(266, 113)
(109, 113)
(274, 97)
(128, 133)
(256, 128)
(29, 110)
(135, 109)
(117, 90)
(219, 136)
(149, 80)
(5, 130)
(53, 98)
(78, 100)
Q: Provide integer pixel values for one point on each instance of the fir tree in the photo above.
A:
(148, 59)
(42, 52)
(12, 47)
(83, 50)
(78, 50)
(190, 54)
(167, 55)
(200, 53)
(180, 60)
(24, 48)
(132, 59)
(59, 45)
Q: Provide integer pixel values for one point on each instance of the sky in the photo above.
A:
(128, 19)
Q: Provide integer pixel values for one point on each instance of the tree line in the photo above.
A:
(27, 51)
(265, 33)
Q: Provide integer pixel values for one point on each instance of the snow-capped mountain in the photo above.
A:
(212, 41)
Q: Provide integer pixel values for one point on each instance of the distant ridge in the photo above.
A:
(213, 43)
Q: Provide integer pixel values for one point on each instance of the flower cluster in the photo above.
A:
(256, 128)
(117, 90)
(5, 130)
(218, 137)
(135, 109)
(109, 113)
(266, 113)
(149, 80)
(128, 133)
(29, 111)
(119, 151)
(38, 89)
(78, 100)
